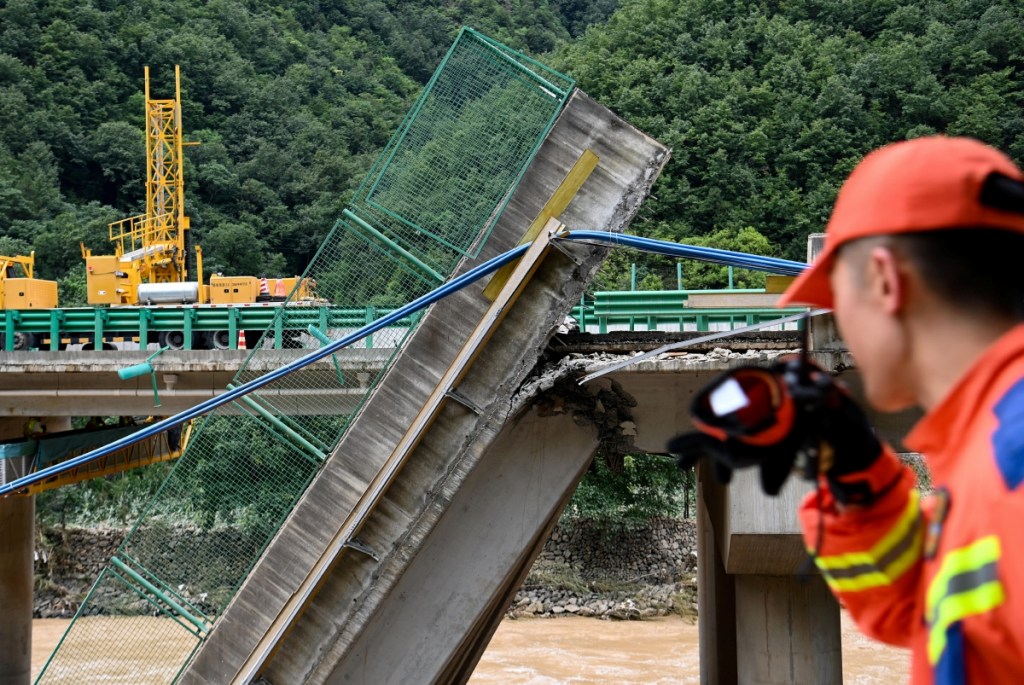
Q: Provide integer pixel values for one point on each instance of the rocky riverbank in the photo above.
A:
(582, 571)
(626, 575)
(67, 562)
(627, 604)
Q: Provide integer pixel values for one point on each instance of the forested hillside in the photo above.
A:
(767, 105)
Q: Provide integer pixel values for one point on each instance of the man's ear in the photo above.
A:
(885, 279)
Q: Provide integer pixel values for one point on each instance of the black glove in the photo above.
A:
(789, 415)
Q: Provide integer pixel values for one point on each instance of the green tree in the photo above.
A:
(768, 106)
(647, 486)
(291, 102)
(702, 275)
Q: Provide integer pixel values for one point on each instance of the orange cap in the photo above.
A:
(923, 184)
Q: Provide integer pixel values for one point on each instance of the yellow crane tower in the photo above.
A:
(148, 265)
(150, 248)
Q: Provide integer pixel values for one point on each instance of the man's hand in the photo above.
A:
(789, 415)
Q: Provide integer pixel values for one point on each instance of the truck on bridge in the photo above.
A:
(149, 271)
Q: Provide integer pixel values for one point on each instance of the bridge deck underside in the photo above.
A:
(81, 383)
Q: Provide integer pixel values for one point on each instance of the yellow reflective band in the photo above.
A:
(957, 607)
(886, 561)
(895, 534)
(966, 585)
(979, 553)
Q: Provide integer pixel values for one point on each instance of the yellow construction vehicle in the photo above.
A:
(149, 248)
(148, 266)
(20, 289)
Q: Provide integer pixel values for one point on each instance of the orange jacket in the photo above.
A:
(944, 576)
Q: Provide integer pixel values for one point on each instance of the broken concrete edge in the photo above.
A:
(603, 403)
(719, 359)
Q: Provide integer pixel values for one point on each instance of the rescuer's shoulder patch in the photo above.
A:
(1008, 438)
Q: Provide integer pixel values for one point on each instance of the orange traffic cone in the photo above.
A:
(279, 292)
(241, 340)
(264, 295)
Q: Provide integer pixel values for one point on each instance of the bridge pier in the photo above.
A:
(17, 531)
(760, 622)
(16, 524)
(802, 642)
(17, 547)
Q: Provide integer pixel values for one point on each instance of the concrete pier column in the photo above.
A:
(17, 551)
(17, 515)
(716, 592)
(16, 536)
(787, 629)
(761, 623)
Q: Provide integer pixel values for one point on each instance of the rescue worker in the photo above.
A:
(920, 267)
(34, 428)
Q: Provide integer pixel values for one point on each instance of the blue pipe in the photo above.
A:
(233, 394)
(743, 260)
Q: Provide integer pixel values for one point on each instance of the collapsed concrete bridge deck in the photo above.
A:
(432, 464)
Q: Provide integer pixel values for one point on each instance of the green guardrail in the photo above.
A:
(46, 328)
(652, 309)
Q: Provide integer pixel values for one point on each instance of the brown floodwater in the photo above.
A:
(588, 650)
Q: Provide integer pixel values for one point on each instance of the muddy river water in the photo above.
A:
(588, 650)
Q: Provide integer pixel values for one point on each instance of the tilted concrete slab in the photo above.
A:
(447, 603)
(405, 533)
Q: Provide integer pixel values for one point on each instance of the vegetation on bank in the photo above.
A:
(766, 106)
(625, 492)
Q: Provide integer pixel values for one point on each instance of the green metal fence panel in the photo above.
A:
(424, 205)
(474, 130)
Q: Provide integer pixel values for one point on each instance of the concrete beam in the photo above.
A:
(475, 557)
(711, 300)
(86, 383)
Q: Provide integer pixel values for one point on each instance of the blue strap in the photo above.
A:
(1008, 438)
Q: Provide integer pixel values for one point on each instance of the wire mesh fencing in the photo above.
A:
(429, 200)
